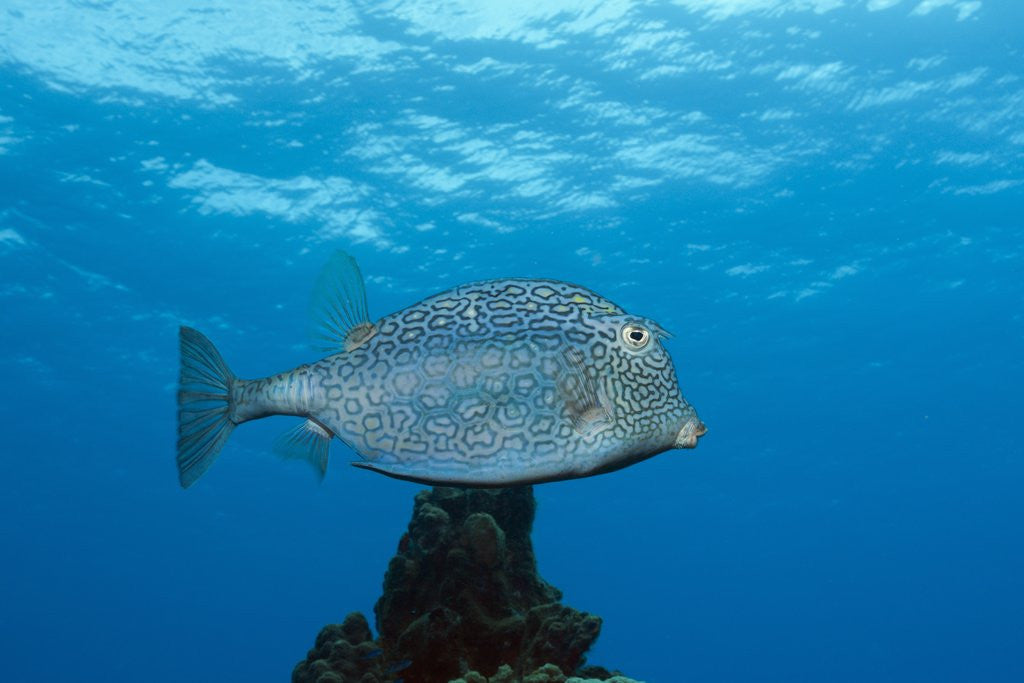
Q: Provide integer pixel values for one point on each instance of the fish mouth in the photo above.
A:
(688, 435)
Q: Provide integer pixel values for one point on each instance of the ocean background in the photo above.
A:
(822, 199)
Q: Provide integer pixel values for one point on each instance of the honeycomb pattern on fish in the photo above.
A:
(488, 384)
(471, 382)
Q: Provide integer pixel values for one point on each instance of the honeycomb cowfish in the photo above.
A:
(492, 383)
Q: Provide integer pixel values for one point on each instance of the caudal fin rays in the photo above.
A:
(204, 405)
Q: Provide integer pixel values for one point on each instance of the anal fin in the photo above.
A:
(309, 441)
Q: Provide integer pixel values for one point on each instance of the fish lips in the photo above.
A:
(692, 430)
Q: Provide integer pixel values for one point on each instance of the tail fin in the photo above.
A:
(205, 407)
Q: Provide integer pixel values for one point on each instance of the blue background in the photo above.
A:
(821, 199)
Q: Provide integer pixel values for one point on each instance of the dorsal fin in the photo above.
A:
(583, 397)
(338, 307)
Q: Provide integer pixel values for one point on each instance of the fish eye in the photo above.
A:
(635, 337)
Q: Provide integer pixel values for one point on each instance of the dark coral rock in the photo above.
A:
(549, 673)
(560, 634)
(598, 672)
(485, 539)
(343, 652)
(461, 596)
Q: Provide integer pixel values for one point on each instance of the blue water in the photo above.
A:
(822, 199)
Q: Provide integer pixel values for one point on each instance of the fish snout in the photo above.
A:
(692, 430)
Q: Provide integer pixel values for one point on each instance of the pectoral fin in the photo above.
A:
(338, 307)
(584, 398)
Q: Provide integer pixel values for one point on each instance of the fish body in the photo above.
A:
(492, 383)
